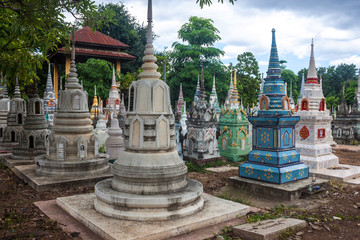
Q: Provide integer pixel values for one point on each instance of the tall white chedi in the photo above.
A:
(313, 131)
(16, 116)
(4, 107)
(113, 99)
(32, 138)
(149, 177)
(49, 99)
(72, 148)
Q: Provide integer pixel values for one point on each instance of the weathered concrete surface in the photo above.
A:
(268, 229)
(347, 148)
(67, 223)
(222, 169)
(341, 172)
(47, 183)
(10, 162)
(216, 210)
(287, 191)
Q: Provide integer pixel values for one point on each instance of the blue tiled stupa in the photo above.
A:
(274, 158)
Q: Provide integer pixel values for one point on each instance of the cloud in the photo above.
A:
(354, 59)
(246, 26)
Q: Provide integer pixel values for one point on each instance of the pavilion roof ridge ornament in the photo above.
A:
(149, 67)
(73, 81)
(312, 76)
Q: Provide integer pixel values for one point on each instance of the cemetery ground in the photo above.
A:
(333, 213)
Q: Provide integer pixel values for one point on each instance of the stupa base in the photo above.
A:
(274, 174)
(8, 161)
(8, 146)
(71, 168)
(24, 154)
(155, 207)
(55, 183)
(215, 211)
(320, 162)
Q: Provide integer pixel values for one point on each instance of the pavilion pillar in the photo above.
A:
(56, 78)
(67, 64)
(118, 65)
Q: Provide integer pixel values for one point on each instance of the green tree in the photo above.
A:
(331, 102)
(31, 28)
(126, 29)
(209, 2)
(199, 36)
(289, 76)
(350, 91)
(248, 76)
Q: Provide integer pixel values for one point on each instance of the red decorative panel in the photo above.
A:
(285, 103)
(305, 105)
(322, 105)
(304, 132)
(321, 133)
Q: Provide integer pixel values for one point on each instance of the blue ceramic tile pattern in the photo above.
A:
(274, 158)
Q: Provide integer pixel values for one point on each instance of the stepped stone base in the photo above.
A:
(288, 191)
(8, 146)
(202, 162)
(72, 168)
(10, 162)
(317, 156)
(325, 161)
(25, 154)
(341, 172)
(215, 211)
(49, 183)
(148, 207)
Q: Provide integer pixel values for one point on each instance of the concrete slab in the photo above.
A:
(347, 148)
(10, 163)
(222, 169)
(268, 229)
(67, 223)
(49, 183)
(341, 172)
(215, 210)
(287, 191)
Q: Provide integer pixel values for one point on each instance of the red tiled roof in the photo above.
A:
(99, 53)
(86, 35)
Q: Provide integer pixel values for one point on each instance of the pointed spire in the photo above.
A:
(164, 71)
(197, 86)
(234, 97)
(113, 81)
(17, 89)
(312, 76)
(49, 82)
(358, 88)
(73, 81)
(94, 90)
(302, 84)
(274, 70)
(181, 97)
(231, 82)
(82, 86)
(149, 67)
(214, 87)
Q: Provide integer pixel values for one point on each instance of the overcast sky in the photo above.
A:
(246, 26)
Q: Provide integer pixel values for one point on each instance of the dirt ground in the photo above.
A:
(333, 214)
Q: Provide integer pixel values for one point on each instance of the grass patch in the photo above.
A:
(194, 167)
(229, 197)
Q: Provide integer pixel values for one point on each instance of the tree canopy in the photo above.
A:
(126, 29)
(199, 36)
(248, 78)
(31, 28)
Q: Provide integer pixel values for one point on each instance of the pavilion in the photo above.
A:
(89, 44)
